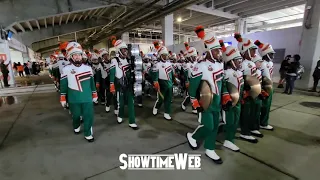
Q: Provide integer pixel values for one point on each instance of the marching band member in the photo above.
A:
(77, 82)
(163, 83)
(192, 61)
(105, 83)
(55, 70)
(247, 119)
(267, 53)
(209, 73)
(97, 68)
(258, 101)
(231, 93)
(139, 98)
(146, 73)
(62, 62)
(120, 71)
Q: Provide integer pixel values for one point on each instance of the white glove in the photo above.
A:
(94, 100)
(63, 104)
(63, 101)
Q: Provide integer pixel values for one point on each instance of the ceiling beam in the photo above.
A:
(29, 25)
(22, 10)
(244, 5)
(229, 3)
(262, 5)
(13, 30)
(60, 21)
(276, 24)
(94, 12)
(271, 9)
(20, 27)
(38, 25)
(214, 12)
(74, 18)
(30, 37)
(88, 14)
(45, 23)
(68, 18)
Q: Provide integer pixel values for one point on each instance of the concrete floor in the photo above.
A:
(37, 142)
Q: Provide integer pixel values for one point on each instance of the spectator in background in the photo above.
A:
(29, 64)
(283, 70)
(20, 69)
(291, 74)
(316, 77)
(5, 72)
(34, 68)
(26, 69)
(15, 69)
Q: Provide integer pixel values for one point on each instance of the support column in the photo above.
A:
(185, 39)
(125, 37)
(5, 55)
(310, 43)
(167, 30)
(241, 26)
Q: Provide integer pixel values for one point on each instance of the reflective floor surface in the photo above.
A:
(37, 142)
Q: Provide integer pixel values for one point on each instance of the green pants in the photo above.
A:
(255, 113)
(126, 98)
(232, 121)
(250, 113)
(265, 110)
(167, 94)
(208, 129)
(86, 111)
(245, 117)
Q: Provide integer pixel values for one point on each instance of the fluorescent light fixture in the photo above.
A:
(179, 19)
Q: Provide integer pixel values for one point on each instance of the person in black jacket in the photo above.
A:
(291, 74)
(316, 77)
(283, 70)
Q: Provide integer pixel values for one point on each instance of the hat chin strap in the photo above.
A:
(249, 54)
(269, 57)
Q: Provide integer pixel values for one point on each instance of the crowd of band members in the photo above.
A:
(220, 67)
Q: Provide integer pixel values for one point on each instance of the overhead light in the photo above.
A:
(179, 19)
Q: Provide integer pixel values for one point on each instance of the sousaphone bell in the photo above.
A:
(234, 93)
(255, 86)
(267, 84)
(205, 95)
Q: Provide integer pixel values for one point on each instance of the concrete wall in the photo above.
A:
(16, 56)
(102, 44)
(288, 39)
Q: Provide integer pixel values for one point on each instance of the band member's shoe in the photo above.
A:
(256, 133)
(167, 117)
(107, 108)
(134, 126)
(194, 111)
(102, 103)
(192, 142)
(248, 138)
(89, 138)
(149, 95)
(230, 145)
(140, 105)
(155, 111)
(268, 127)
(214, 156)
(116, 112)
(77, 131)
(119, 119)
(183, 107)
